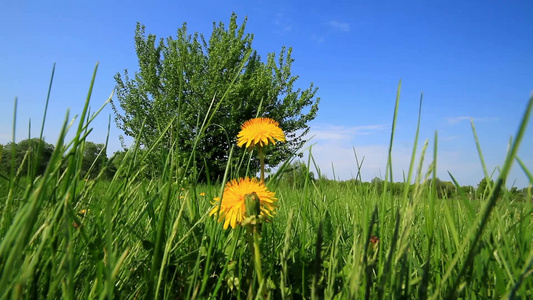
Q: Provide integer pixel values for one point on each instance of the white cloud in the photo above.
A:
(455, 120)
(342, 26)
(333, 151)
(341, 159)
(343, 133)
(282, 23)
(449, 138)
(318, 39)
(374, 163)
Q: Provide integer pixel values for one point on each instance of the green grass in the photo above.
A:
(145, 239)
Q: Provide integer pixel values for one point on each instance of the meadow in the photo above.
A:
(68, 237)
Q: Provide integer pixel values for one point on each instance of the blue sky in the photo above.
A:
(471, 59)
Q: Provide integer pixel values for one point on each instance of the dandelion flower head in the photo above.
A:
(233, 208)
(261, 132)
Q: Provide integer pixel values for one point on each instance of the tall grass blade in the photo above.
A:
(478, 146)
(388, 172)
(413, 154)
(525, 169)
(475, 233)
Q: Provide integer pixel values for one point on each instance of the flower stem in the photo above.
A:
(257, 255)
(253, 211)
(262, 162)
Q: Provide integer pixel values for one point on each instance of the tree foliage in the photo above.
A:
(180, 80)
(445, 189)
(94, 159)
(30, 155)
(33, 155)
(298, 174)
(484, 187)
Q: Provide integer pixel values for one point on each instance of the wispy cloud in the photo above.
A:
(340, 160)
(282, 23)
(455, 120)
(333, 146)
(339, 133)
(333, 26)
(318, 39)
(342, 26)
(449, 138)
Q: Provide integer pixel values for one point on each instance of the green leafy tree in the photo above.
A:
(376, 180)
(94, 158)
(5, 158)
(180, 80)
(527, 193)
(445, 189)
(117, 160)
(377, 183)
(484, 188)
(30, 154)
(468, 191)
(297, 174)
(515, 194)
(1, 154)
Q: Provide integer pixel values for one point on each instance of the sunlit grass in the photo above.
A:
(136, 238)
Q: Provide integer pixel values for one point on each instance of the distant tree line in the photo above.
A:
(297, 174)
(17, 158)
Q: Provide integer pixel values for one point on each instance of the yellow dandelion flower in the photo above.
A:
(83, 212)
(261, 132)
(202, 194)
(233, 209)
